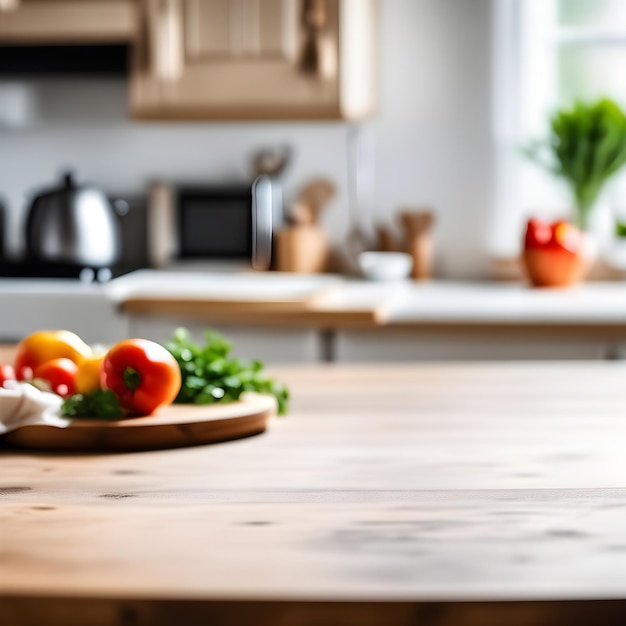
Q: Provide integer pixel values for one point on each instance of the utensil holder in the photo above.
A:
(302, 248)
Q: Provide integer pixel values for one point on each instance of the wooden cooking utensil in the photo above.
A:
(315, 195)
(417, 226)
(386, 239)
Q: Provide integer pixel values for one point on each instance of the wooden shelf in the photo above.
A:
(256, 313)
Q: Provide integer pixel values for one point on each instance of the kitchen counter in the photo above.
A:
(312, 318)
(365, 321)
(324, 299)
(270, 298)
(351, 301)
(439, 494)
(510, 303)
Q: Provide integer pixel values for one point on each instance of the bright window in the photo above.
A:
(548, 53)
(591, 39)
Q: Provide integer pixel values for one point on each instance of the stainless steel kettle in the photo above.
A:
(73, 224)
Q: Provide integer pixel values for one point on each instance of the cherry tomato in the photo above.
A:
(60, 374)
(6, 373)
(46, 345)
(143, 375)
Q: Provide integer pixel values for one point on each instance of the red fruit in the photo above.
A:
(560, 235)
(60, 374)
(538, 234)
(6, 373)
(552, 254)
(142, 374)
(566, 236)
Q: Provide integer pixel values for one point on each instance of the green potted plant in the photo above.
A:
(586, 147)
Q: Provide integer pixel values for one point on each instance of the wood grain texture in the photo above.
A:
(175, 426)
(448, 494)
(245, 81)
(70, 22)
(228, 306)
(316, 315)
(323, 313)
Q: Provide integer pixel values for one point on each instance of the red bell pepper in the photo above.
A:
(558, 236)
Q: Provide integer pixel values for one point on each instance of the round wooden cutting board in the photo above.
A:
(171, 427)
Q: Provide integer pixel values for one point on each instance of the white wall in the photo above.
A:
(432, 135)
(434, 130)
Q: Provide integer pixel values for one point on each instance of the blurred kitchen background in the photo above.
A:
(393, 126)
(430, 137)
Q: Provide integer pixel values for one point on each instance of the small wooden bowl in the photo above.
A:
(554, 268)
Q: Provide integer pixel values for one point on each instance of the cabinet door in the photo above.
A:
(238, 59)
(389, 345)
(268, 344)
(67, 21)
(239, 29)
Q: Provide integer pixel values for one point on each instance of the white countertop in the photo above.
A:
(254, 286)
(510, 303)
(401, 303)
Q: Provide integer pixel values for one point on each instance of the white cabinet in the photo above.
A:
(388, 344)
(269, 344)
(87, 310)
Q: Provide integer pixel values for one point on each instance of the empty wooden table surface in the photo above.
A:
(439, 494)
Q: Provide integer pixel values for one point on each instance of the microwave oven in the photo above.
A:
(211, 222)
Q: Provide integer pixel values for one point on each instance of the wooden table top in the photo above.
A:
(388, 488)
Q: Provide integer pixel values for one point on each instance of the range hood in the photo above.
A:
(89, 60)
(67, 37)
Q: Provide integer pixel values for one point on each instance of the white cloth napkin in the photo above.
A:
(21, 404)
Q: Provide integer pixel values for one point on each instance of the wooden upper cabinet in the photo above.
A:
(67, 21)
(232, 30)
(254, 59)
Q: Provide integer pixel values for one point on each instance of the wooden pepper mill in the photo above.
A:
(418, 226)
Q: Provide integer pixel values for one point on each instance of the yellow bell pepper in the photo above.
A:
(88, 374)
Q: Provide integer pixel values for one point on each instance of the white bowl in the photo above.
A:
(385, 266)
